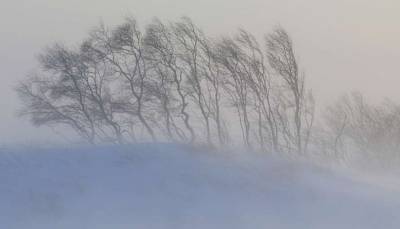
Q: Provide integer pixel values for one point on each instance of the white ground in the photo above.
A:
(170, 187)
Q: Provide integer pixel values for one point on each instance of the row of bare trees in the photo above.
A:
(171, 82)
(358, 131)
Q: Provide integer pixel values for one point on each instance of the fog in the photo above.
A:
(140, 118)
(342, 45)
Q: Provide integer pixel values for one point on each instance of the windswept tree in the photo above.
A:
(191, 43)
(70, 90)
(259, 81)
(282, 59)
(161, 54)
(232, 57)
(44, 109)
(161, 46)
(123, 50)
(211, 71)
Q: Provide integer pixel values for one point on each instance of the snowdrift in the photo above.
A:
(169, 186)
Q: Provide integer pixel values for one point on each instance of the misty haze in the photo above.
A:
(199, 114)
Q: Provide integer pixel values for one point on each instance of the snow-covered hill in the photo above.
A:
(148, 186)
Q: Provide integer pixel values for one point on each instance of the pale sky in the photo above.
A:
(343, 45)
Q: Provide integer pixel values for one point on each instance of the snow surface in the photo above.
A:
(168, 186)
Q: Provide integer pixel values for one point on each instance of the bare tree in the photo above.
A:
(160, 49)
(283, 61)
(43, 110)
(260, 83)
(97, 77)
(212, 71)
(59, 93)
(189, 39)
(231, 56)
(161, 44)
(123, 49)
